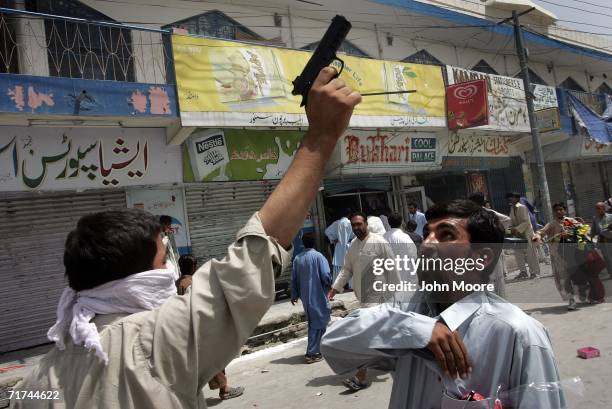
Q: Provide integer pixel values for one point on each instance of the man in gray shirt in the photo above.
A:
(512, 349)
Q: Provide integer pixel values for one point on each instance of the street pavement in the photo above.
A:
(278, 378)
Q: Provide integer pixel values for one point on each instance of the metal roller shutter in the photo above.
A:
(335, 186)
(503, 181)
(589, 188)
(33, 230)
(216, 211)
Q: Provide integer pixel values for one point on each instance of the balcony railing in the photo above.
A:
(48, 45)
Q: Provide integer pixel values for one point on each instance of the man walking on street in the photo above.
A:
(340, 235)
(601, 230)
(562, 255)
(135, 343)
(358, 266)
(419, 218)
(520, 226)
(310, 281)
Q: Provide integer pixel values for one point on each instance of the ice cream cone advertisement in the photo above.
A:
(467, 104)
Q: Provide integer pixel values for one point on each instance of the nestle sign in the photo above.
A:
(209, 143)
(467, 104)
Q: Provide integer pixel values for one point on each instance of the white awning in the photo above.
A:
(540, 13)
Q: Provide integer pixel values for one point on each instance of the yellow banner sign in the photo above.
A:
(223, 83)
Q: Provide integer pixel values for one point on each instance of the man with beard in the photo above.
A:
(358, 266)
(448, 327)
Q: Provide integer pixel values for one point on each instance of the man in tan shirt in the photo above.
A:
(520, 226)
(561, 255)
(161, 358)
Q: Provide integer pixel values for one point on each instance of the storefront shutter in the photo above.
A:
(589, 188)
(216, 211)
(33, 230)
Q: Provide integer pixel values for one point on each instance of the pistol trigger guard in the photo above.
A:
(341, 66)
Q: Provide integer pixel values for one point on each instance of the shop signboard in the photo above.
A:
(215, 155)
(467, 105)
(384, 152)
(85, 158)
(460, 144)
(224, 83)
(506, 97)
(548, 119)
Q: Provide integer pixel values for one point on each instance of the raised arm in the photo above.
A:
(195, 336)
(329, 109)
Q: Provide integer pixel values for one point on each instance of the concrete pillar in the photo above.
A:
(148, 57)
(528, 179)
(31, 45)
(568, 185)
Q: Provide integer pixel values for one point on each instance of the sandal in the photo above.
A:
(233, 392)
(354, 384)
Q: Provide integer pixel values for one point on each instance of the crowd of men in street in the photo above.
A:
(125, 338)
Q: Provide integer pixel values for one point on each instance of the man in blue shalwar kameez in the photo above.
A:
(310, 281)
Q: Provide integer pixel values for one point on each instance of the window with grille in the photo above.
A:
(84, 50)
(346, 47)
(533, 77)
(423, 57)
(483, 66)
(9, 57)
(216, 24)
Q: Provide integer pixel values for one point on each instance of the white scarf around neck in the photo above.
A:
(139, 292)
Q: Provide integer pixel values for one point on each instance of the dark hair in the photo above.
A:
(361, 214)
(187, 264)
(411, 225)
(513, 194)
(309, 240)
(395, 220)
(483, 225)
(165, 220)
(110, 245)
(560, 204)
(412, 204)
(478, 198)
(348, 212)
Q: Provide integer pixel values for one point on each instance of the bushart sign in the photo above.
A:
(223, 83)
(384, 152)
(85, 158)
(467, 105)
(233, 154)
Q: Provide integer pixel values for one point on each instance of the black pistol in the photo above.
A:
(322, 57)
